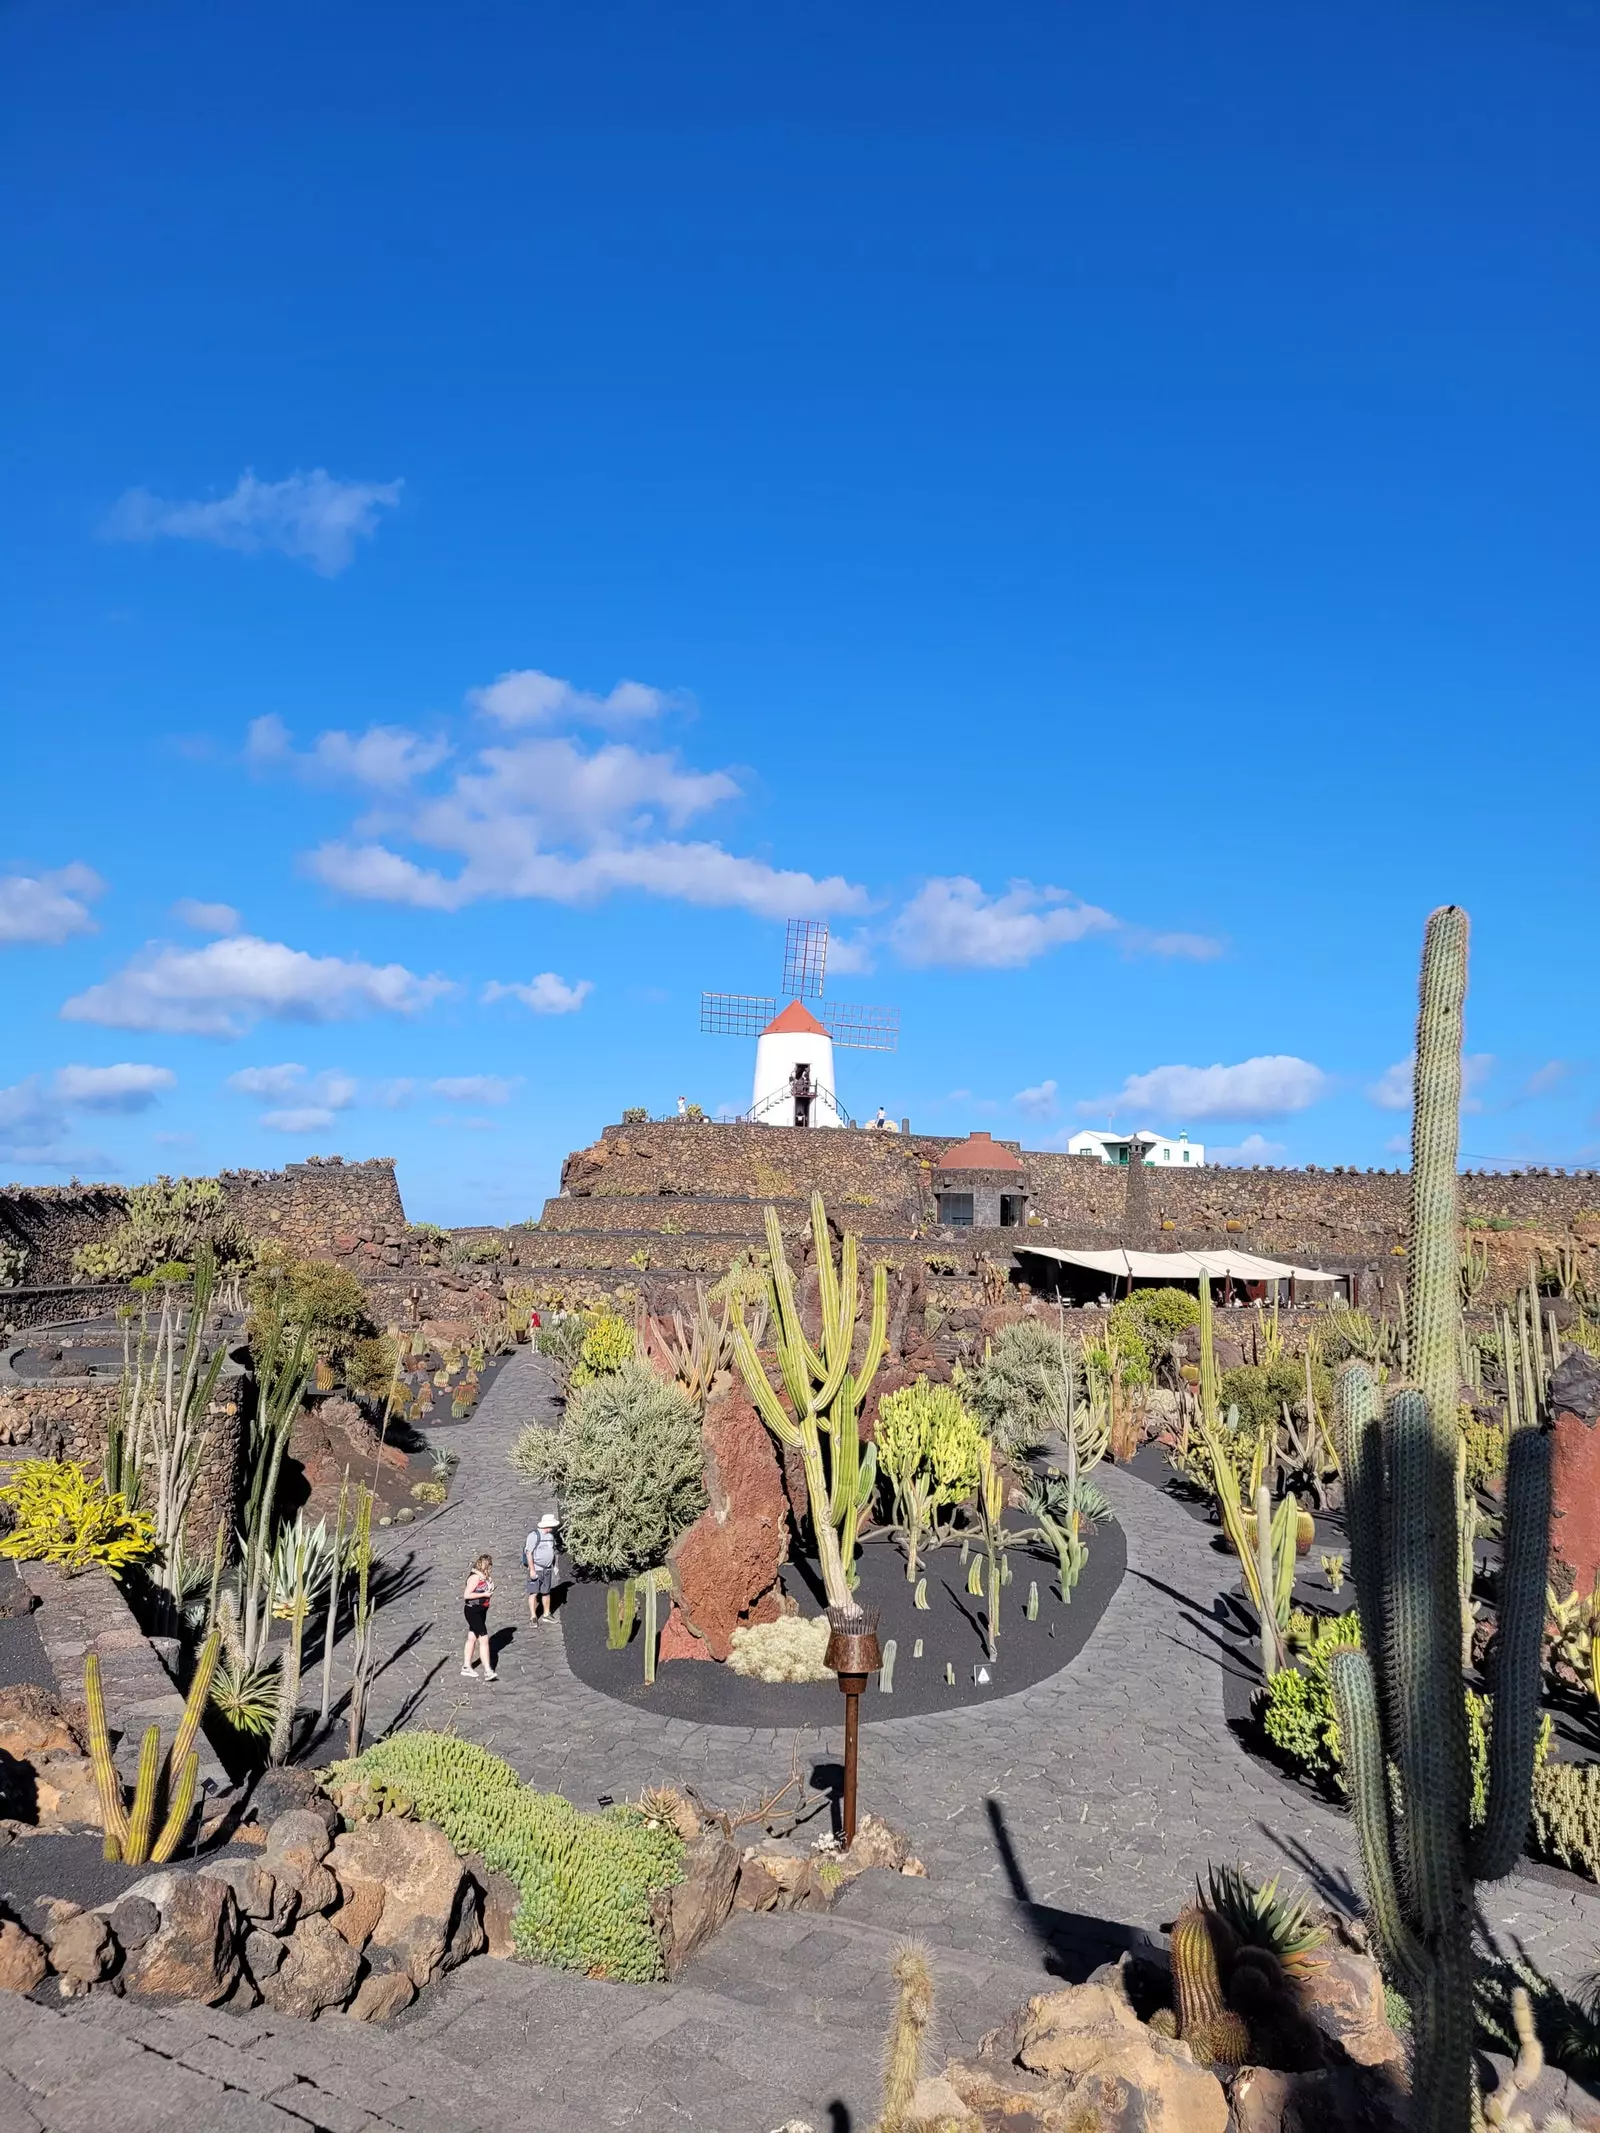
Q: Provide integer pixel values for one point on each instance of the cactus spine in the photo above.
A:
(1400, 1702)
(825, 1394)
(1206, 2023)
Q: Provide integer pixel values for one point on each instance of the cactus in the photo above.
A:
(975, 1578)
(1210, 2028)
(652, 1583)
(1266, 1556)
(1032, 1609)
(919, 1598)
(886, 1667)
(113, 1814)
(916, 1649)
(991, 1504)
(825, 1394)
(1402, 1715)
(622, 1607)
(949, 1675)
(902, 2055)
(128, 1831)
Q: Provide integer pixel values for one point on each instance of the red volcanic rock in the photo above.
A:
(1575, 1461)
(726, 1565)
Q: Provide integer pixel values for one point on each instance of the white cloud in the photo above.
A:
(850, 957)
(310, 517)
(47, 909)
(1254, 1148)
(1266, 1087)
(546, 995)
(525, 697)
(30, 1126)
(113, 1088)
(310, 1119)
(1392, 1089)
(474, 1088)
(224, 989)
(394, 1095)
(1038, 1102)
(272, 1082)
(951, 922)
(542, 817)
(1545, 1080)
(386, 758)
(204, 917)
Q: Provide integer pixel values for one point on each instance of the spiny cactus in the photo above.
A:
(1402, 1715)
(908, 2028)
(825, 1394)
(128, 1830)
(1206, 2023)
(622, 1607)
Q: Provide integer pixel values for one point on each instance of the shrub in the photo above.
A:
(1566, 1815)
(586, 1879)
(925, 1429)
(607, 1345)
(1486, 1450)
(786, 1650)
(63, 1517)
(1163, 1312)
(636, 1115)
(1017, 1390)
(370, 1366)
(166, 1220)
(1260, 1391)
(327, 1300)
(562, 1339)
(626, 1458)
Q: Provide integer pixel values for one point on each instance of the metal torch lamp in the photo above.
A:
(853, 1653)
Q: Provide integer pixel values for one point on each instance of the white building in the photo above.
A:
(1159, 1151)
(794, 1072)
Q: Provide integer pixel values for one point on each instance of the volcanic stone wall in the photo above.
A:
(50, 1222)
(321, 1207)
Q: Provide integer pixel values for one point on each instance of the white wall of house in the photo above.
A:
(1160, 1150)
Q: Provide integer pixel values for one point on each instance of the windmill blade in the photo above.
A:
(861, 1029)
(735, 1014)
(805, 958)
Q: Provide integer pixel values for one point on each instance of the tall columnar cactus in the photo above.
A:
(128, 1829)
(825, 1394)
(1400, 1702)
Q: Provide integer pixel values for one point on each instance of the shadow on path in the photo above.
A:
(1071, 1944)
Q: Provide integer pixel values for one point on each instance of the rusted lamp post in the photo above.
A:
(853, 1653)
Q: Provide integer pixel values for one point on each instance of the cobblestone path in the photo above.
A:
(1057, 1825)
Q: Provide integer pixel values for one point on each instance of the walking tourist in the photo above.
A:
(539, 1553)
(475, 1598)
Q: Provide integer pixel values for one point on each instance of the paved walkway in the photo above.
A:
(1057, 1825)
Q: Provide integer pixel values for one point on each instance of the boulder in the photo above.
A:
(134, 1920)
(23, 1962)
(381, 1995)
(297, 1844)
(687, 1914)
(428, 1893)
(501, 1901)
(357, 1912)
(263, 1953)
(319, 1969)
(196, 1951)
(1084, 2050)
(83, 1948)
(1269, 2102)
(1342, 1992)
(278, 1792)
(726, 1565)
(46, 1779)
(1575, 1469)
(260, 1895)
(32, 1720)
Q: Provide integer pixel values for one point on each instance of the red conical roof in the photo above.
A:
(978, 1152)
(795, 1021)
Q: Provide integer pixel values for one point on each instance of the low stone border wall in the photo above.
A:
(89, 1613)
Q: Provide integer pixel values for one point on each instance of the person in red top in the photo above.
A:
(475, 1598)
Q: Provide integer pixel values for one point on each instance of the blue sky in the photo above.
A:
(503, 505)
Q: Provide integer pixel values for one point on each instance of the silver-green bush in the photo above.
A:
(626, 1461)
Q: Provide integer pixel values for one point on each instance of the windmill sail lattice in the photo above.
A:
(794, 1042)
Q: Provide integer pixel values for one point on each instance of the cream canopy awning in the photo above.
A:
(1180, 1266)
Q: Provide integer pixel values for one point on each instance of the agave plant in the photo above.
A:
(247, 1698)
(1261, 1918)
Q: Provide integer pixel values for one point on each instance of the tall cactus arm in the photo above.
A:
(1518, 1650)
(194, 1704)
(1360, 1438)
(113, 1810)
(136, 1848)
(1355, 1699)
(785, 1305)
(1427, 1734)
(877, 1331)
(1434, 1298)
(770, 1408)
(178, 1815)
(827, 1277)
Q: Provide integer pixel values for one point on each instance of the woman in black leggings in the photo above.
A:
(475, 1598)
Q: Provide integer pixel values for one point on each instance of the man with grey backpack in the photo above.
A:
(539, 1553)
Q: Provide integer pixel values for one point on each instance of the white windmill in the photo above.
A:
(794, 1084)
